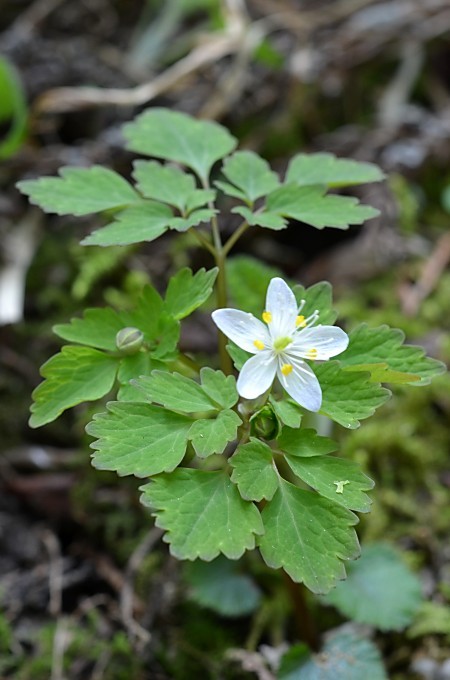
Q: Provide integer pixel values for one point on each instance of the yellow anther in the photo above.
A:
(267, 317)
(300, 321)
(258, 344)
(286, 369)
(311, 353)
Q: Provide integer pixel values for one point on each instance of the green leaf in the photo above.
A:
(251, 174)
(320, 297)
(203, 514)
(309, 204)
(339, 480)
(219, 387)
(248, 279)
(325, 168)
(380, 590)
(175, 391)
(218, 586)
(74, 375)
(308, 536)
(230, 190)
(345, 656)
(305, 443)
(138, 439)
(141, 363)
(238, 355)
(195, 218)
(143, 222)
(187, 291)
(210, 436)
(175, 136)
(348, 397)
(384, 345)
(264, 218)
(382, 373)
(432, 619)
(80, 191)
(147, 316)
(97, 328)
(288, 412)
(13, 109)
(254, 471)
(162, 183)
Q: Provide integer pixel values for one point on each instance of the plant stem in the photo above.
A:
(202, 240)
(221, 286)
(235, 237)
(306, 626)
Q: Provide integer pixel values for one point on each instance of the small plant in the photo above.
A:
(230, 466)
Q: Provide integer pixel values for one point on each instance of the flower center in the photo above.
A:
(281, 343)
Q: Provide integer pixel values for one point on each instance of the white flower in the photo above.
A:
(280, 344)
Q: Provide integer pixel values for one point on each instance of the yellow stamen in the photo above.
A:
(300, 321)
(311, 354)
(258, 344)
(286, 369)
(267, 317)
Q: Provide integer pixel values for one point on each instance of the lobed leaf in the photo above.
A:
(327, 169)
(380, 590)
(286, 411)
(308, 536)
(254, 472)
(137, 224)
(97, 328)
(348, 397)
(317, 297)
(164, 183)
(210, 436)
(175, 391)
(384, 346)
(261, 218)
(175, 136)
(74, 375)
(203, 514)
(187, 291)
(219, 387)
(218, 586)
(339, 480)
(79, 191)
(251, 174)
(346, 655)
(138, 439)
(305, 443)
(309, 204)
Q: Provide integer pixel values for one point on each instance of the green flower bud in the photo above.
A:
(129, 340)
(264, 424)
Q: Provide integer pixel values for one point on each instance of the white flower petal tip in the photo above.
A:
(280, 344)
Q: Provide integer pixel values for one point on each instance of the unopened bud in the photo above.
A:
(129, 340)
(264, 424)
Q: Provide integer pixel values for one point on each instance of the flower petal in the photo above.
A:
(283, 307)
(301, 384)
(327, 340)
(257, 375)
(242, 328)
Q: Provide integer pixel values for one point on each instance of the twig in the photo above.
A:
(127, 596)
(429, 277)
(60, 643)
(55, 571)
(64, 99)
